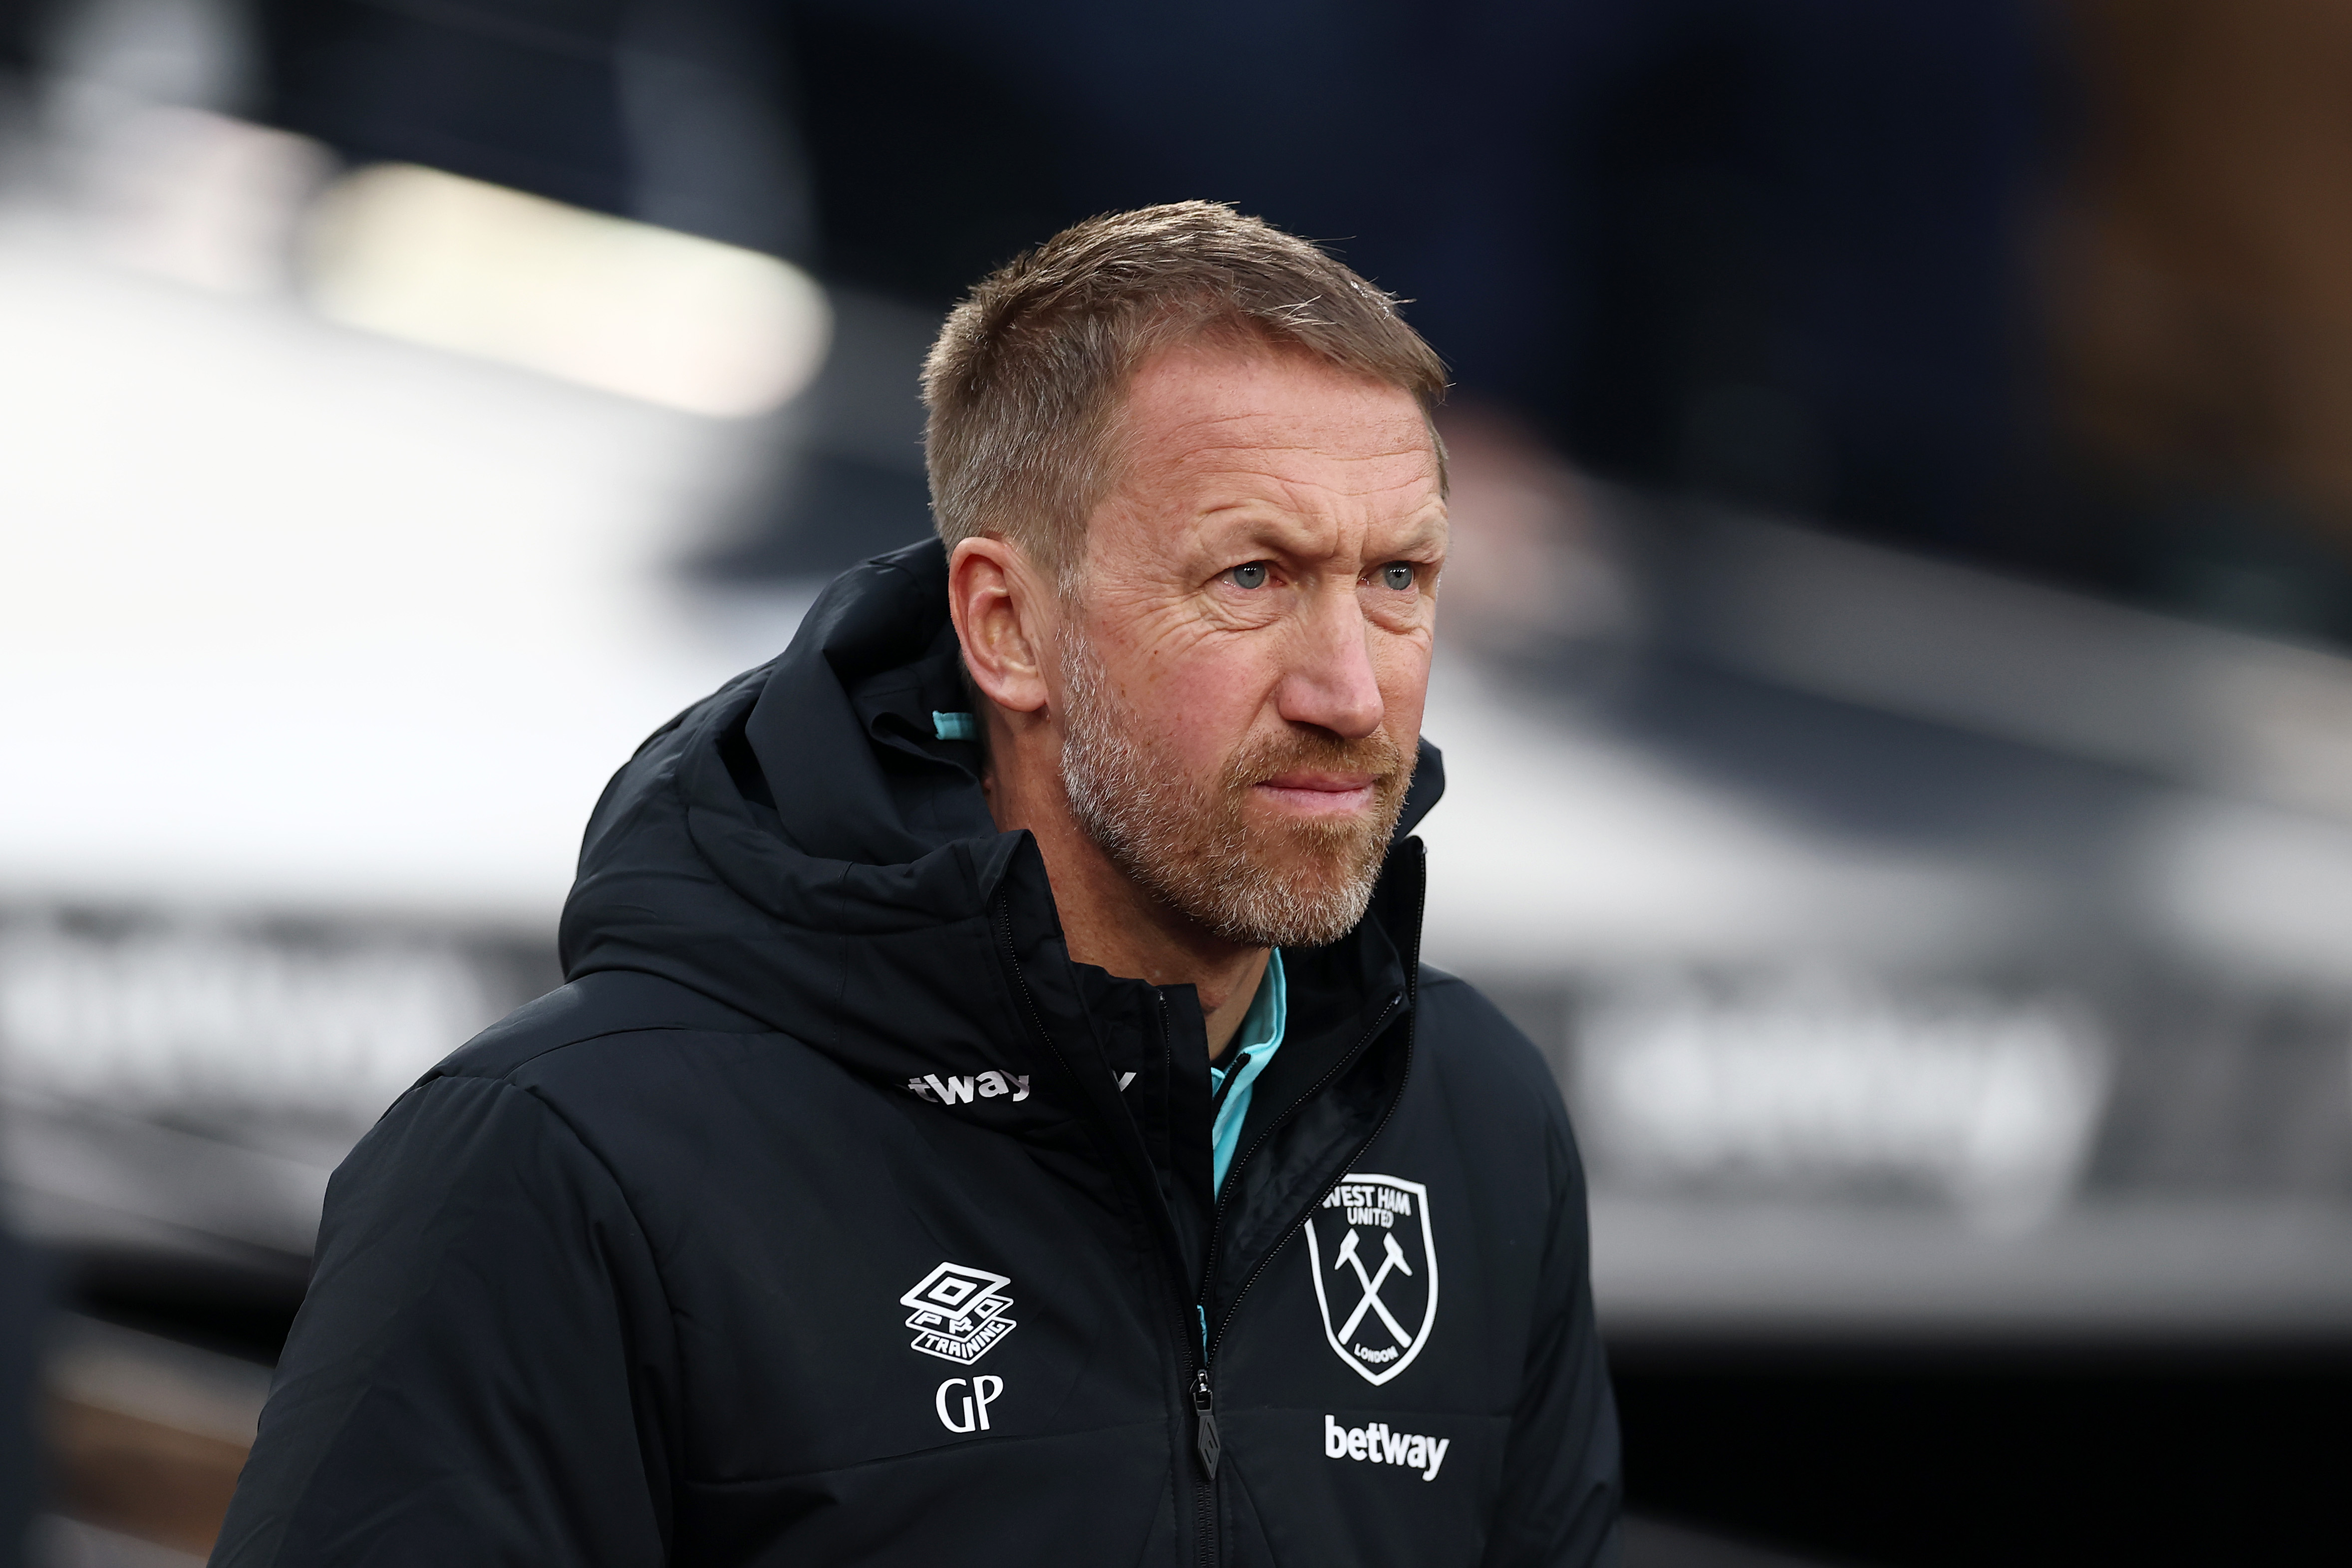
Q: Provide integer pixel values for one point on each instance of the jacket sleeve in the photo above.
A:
(1562, 1479)
(478, 1373)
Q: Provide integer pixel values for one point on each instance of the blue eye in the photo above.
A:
(1250, 576)
(1398, 575)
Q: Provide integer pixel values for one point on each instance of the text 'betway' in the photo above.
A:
(1375, 1444)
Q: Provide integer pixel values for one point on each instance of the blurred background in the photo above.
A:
(1895, 684)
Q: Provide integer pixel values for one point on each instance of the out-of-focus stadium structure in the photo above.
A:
(1933, 954)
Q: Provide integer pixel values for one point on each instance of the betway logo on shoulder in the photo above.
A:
(955, 1091)
(1375, 1444)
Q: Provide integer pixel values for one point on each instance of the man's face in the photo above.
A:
(1242, 671)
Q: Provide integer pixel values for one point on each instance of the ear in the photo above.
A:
(1001, 608)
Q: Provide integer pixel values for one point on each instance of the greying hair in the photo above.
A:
(1024, 384)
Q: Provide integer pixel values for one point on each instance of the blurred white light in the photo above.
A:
(393, 615)
(623, 307)
(1819, 1082)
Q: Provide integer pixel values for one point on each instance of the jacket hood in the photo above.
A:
(802, 847)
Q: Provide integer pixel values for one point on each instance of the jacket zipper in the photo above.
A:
(1208, 1446)
(1204, 1407)
(1206, 1442)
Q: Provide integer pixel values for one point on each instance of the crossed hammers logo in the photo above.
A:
(1372, 1283)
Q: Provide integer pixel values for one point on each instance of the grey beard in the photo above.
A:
(1191, 847)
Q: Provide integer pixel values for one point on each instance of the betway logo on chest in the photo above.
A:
(1375, 1444)
(964, 1090)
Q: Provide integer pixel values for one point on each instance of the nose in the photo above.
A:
(1331, 683)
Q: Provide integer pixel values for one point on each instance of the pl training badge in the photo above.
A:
(1375, 1264)
(959, 1312)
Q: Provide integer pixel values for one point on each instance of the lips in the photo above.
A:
(1315, 793)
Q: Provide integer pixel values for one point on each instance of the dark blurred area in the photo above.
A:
(1895, 676)
(1769, 251)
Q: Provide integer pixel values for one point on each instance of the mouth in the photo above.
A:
(1314, 792)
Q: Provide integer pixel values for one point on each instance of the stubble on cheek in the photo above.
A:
(1213, 851)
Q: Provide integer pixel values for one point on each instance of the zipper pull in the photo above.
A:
(1204, 1406)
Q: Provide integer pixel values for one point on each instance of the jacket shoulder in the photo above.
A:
(1474, 1038)
(608, 1002)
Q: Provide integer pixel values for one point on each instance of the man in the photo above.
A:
(997, 1113)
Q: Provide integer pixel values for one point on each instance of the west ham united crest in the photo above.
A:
(959, 1312)
(1375, 1262)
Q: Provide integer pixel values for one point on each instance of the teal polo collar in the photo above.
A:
(1253, 1046)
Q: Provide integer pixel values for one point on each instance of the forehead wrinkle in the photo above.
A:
(1201, 458)
(1286, 435)
(1205, 450)
(1168, 424)
(1289, 511)
(1351, 487)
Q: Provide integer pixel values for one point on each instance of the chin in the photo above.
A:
(1294, 897)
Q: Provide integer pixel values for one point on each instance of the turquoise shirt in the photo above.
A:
(1253, 1046)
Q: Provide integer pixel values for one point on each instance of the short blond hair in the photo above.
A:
(1025, 380)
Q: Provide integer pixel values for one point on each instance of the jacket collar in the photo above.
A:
(802, 847)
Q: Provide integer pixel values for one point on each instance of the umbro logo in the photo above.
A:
(959, 1312)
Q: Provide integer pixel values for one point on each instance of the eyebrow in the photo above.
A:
(1433, 528)
(1264, 516)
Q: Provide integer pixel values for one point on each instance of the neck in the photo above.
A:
(1111, 921)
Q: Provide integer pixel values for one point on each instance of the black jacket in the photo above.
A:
(831, 1215)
